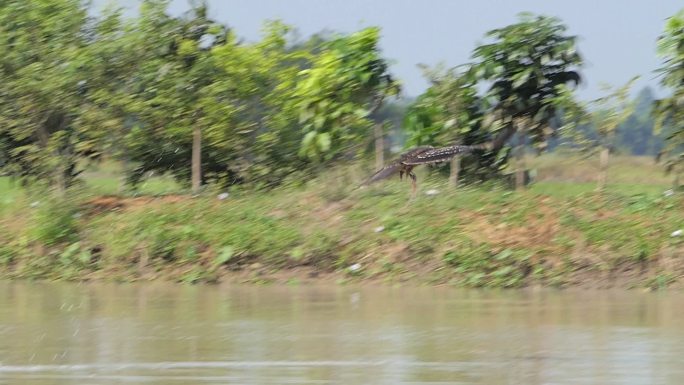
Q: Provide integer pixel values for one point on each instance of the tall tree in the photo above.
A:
(43, 76)
(346, 85)
(236, 97)
(174, 69)
(257, 86)
(592, 126)
(525, 64)
(607, 114)
(111, 60)
(670, 111)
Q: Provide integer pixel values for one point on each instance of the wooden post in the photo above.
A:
(454, 171)
(603, 168)
(520, 163)
(196, 159)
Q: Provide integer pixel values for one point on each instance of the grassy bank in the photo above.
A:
(556, 234)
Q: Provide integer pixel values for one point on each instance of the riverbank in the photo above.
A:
(472, 237)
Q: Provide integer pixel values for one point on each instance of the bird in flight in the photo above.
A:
(417, 156)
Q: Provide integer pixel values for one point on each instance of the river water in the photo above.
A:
(59, 333)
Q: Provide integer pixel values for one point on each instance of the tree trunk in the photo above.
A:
(603, 169)
(379, 146)
(454, 171)
(520, 163)
(196, 159)
(43, 136)
(55, 122)
(125, 165)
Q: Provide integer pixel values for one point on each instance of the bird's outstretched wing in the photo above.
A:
(383, 173)
(439, 154)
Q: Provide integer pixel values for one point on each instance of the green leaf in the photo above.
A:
(319, 122)
(505, 254)
(308, 138)
(224, 255)
(323, 141)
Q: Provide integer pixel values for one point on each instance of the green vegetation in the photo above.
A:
(558, 234)
(182, 110)
(607, 114)
(670, 110)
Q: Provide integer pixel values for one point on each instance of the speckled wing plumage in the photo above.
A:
(436, 155)
(420, 155)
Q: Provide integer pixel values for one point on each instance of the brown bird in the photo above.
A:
(417, 156)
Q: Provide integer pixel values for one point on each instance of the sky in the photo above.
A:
(616, 37)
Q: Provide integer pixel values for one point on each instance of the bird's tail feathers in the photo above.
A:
(383, 173)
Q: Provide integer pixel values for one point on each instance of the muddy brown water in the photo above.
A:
(59, 333)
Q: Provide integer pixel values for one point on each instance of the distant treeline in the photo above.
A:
(636, 136)
(184, 95)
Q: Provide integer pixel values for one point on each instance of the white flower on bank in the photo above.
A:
(431, 192)
(222, 196)
(677, 233)
(355, 267)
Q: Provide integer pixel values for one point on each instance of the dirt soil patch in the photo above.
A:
(103, 204)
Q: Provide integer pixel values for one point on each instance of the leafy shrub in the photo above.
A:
(55, 222)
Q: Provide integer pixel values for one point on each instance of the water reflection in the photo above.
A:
(161, 334)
